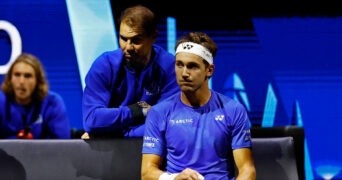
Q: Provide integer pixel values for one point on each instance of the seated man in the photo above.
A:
(28, 109)
(123, 84)
(200, 133)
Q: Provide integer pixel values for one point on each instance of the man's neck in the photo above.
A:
(196, 99)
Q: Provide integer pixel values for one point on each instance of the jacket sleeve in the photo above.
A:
(97, 116)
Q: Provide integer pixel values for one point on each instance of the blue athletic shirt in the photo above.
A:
(201, 138)
(47, 120)
(111, 87)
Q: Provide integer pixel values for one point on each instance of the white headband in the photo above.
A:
(197, 49)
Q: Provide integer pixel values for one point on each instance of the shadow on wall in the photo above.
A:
(11, 168)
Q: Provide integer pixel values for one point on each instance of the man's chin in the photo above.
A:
(128, 59)
(186, 89)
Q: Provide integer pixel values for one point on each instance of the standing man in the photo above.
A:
(28, 109)
(200, 133)
(122, 85)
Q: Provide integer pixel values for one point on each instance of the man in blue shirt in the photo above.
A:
(199, 133)
(123, 84)
(28, 109)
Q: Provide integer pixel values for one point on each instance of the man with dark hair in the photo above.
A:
(199, 133)
(123, 84)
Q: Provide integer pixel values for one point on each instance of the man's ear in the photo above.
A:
(211, 69)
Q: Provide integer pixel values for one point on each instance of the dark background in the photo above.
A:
(198, 15)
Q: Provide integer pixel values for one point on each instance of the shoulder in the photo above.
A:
(163, 57)
(222, 97)
(108, 61)
(227, 101)
(2, 97)
(109, 57)
(111, 54)
(167, 103)
(53, 97)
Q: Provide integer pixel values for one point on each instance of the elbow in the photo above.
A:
(144, 173)
(88, 125)
(249, 173)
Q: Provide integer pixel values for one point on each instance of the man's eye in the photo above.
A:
(179, 65)
(123, 38)
(191, 66)
(136, 41)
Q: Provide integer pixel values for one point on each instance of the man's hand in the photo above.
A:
(189, 174)
(85, 136)
(145, 107)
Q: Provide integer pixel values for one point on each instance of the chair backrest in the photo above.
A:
(298, 134)
(74, 159)
(117, 159)
(274, 158)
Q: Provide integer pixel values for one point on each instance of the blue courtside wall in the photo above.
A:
(300, 57)
(310, 71)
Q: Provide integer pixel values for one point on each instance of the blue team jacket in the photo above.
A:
(111, 87)
(46, 120)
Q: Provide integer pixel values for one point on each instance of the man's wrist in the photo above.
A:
(167, 176)
(144, 110)
(143, 105)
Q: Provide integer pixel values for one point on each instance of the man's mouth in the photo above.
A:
(21, 90)
(128, 56)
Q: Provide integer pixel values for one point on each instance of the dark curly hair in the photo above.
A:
(199, 38)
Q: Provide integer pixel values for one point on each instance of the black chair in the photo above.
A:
(275, 159)
(298, 135)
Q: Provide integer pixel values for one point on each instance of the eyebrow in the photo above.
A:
(133, 37)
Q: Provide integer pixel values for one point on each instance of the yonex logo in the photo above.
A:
(219, 117)
(188, 46)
